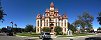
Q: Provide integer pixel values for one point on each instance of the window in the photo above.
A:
(38, 29)
(41, 23)
(56, 24)
(37, 23)
(46, 14)
(44, 23)
(47, 22)
(65, 29)
(61, 24)
(65, 22)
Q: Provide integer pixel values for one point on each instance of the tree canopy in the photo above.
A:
(29, 28)
(99, 18)
(71, 27)
(1, 13)
(99, 28)
(84, 21)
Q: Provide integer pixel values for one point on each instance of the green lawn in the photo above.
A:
(81, 34)
(74, 35)
(37, 35)
(28, 34)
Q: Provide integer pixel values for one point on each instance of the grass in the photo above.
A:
(28, 34)
(81, 34)
(65, 36)
(37, 35)
(74, 35)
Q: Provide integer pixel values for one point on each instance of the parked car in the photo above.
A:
(45, 35)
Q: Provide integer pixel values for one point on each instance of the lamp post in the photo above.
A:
(11, 23)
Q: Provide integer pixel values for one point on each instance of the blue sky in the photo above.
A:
(23, 12)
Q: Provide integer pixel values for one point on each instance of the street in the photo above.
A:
(4, 37)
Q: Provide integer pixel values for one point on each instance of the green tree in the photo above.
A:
(84, 21)
(29, 28)
(46, 29)
(34, 29)
(58, 29)
(79, 23)
(87, 19)
(99, 18)
(99, 28)
(71, 27)
(1, 13)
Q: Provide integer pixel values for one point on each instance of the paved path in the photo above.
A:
(83, 38)
(3, 36)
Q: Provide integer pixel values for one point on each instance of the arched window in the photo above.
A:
(65, 29)
(47, 14)
(38, 29)
(61, 23)
(37, 23)
(47, 22)
(44, 23)
(56, 21)
(65, 22)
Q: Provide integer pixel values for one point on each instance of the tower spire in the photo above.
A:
(52, 4)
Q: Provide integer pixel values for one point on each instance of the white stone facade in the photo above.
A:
(51, 19)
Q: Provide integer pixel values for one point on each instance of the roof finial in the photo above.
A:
(52, 4)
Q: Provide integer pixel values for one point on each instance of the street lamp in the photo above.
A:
(11, 23)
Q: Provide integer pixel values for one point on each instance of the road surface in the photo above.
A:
(3, 36)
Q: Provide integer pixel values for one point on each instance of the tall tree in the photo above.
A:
(69, 26)
(29, 28)
(87, 18)
(99, 18)
(99, 28)
(79, 23)
(84, 21)
(72, 27)
(1, 13)
(34, 29)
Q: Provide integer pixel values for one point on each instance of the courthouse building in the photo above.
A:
(51, 19)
